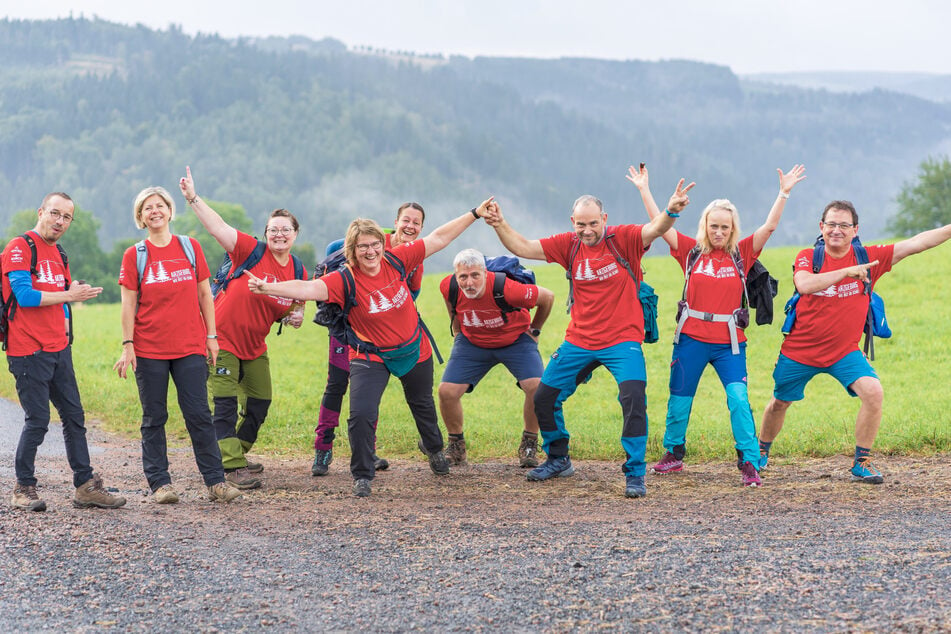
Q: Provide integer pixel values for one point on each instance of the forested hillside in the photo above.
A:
(102, 110)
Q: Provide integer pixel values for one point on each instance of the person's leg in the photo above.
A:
(64, 394)
(689, 360)
(368, 380)
(151, 377)
(789, 384)
(190, 375)
(223, 383)
(869, 390)
(856, 374)
(418, 390)
(338, 378)
(731, 368)
(255, 383)
(625, 361)
(33, 375)
(568, 367)
(450, 405)
(525, 363)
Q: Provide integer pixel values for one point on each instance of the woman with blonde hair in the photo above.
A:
(168, 328)
(711, 318)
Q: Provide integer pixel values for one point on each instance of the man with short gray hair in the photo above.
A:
(491, 322)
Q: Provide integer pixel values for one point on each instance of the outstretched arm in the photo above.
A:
(512, 239)
(638, 176)
(293, 289)
(921, 242)
(786, 182)
(440, 238)
(225, 234)
(807, 282)
(662, 223)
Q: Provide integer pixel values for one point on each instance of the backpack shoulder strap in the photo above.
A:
(141, 258)
(741, 270)
(299, 272)
(452, 298)
(616, 252)
(188, 248)
(30, 243)
(569, 272)
(818, 254)
(396, 263)
(692, 258)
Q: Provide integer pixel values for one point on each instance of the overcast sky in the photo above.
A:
(747, 35)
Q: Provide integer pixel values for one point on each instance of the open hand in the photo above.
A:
(679, 199)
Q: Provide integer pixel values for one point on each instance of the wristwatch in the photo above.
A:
(534, 331)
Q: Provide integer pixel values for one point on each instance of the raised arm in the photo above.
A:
(302, 290)
(786, 183)
(225, 234)
(638, 176)
(664, 222)
(512, 239)
(921, 242)
(440, 238)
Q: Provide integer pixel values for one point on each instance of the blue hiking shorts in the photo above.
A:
(791, 377)
(468, 363)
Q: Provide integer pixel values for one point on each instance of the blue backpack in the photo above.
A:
(645, 293)
(228, 270)
(503, 266)
(876, 323)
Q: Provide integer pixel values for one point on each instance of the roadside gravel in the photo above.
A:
(484, 550)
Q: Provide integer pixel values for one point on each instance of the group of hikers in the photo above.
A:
(208, 333)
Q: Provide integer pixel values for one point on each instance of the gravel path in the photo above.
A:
(482, 549)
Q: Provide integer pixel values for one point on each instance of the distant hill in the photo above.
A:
(102, 110)
(930, 86)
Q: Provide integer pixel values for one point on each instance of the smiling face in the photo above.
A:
(408, 226)
(471, 280)
(369, 252)
(155, 213)
(280, 234)
(54, 218)
(589, 221)
(838, 230)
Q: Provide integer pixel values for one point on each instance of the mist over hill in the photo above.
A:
(102, 110)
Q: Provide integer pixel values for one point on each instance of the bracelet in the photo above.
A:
(192, 200)
(474, 212)
(211, 337)
(784, 195)
(126, 341)
(671, 214)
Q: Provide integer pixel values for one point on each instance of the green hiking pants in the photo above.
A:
(237, 382)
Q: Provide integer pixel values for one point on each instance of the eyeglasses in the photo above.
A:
(839, 225)
(376, 246)
(273, 231)
(58, 215)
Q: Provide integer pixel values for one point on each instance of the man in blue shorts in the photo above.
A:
(486, 334)
(830, 317)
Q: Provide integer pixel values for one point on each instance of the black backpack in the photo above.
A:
(503, 266)
(228, 270)
(335, 317)
(8, 305)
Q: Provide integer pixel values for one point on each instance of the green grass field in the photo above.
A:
(913, 365)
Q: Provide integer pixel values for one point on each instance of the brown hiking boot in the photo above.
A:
(91, 493)
(456, 451)
(165, 494)
(528, 452)
(222, 492)
(255, 467)
(242, 479)
(25, 498)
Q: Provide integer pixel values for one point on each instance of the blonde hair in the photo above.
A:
(144, 195)
(704, 241)
(360, 227)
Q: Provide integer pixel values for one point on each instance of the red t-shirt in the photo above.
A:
(606, 311)
(168, 323)
(829, 323)
(715, 287)
(243, 318)
(385, 314)
(39, 327)
(414, 278)
(481, 319)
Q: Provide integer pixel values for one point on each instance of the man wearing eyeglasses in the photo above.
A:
(37, 293)
(830, 317)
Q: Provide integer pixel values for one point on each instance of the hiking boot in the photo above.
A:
(528, 452)
(241, 479)
(763, 459)
(553, 467)
(91, 493)
(361, 488)
(25, 498)
(864, 471)
(255, 467)
(322, 460)
(668, 464)
(750, 476)
(456, 451)
(380, 464)
(165, 494)
(437, 460)
(222, 492)
(634, 487)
